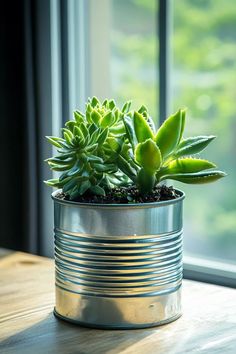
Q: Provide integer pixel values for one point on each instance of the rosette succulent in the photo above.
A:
(108, 147)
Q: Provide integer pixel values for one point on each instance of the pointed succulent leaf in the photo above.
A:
(52, 182)
(111, 104)
(55, 141)
(91, 148)
(94, 101)
(84, 130)
(170, 133)
(128, 122)
(92, 128)
(142, 109)
(107, 120)
(70, 125)
(78, 132)
(58, 161)
(67, 135)
(125, 167)
(79, 117)
(65, 156)
(141, 127)
(84, 186)
(105, 167)
(105, 103)
(148, 155)
(188, 165)
(75, 170)
(70, 185)
(126, 107)
(114, 144)
(97, 190)
(183, 115)
(193, 145)
(117, 129)
(102, 137)
(59, 168)
(93, 158)
(196, 178)
(95, 116)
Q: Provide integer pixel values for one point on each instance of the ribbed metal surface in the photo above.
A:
(118, 253)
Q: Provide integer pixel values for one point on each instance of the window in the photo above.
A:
(203, 78)
(134, 53)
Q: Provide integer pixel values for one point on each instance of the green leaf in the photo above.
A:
(84, 130)
(93, 158)
(128, 122)
(97, 190)
(145, 181)
(107, 120)
(91, 148)
(84, 187)
(67, 138)
(96, 117)
(114, 144)
(102, 137)
(70, 185)
(94, 101)
(74, 182)
(70, 125)
(105, 167)
(56, 160)
(76, 169)
(170, 133)
(148, 155)
(65, 156)
(105, 103)
(141, 127)
(188, 165)
(56, 167)
(52, 182)
(111, 104)
(79, 117)
(193, 145)
(142, 109)
(126, 107)
(55, 141)
(196, 178)
(117, 129)
(125, 167)
(78, 132)
(92, 128)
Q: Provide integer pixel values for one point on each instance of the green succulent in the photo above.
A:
(107, 147)
(165, 154)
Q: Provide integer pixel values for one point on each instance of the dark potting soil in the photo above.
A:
(125, 196)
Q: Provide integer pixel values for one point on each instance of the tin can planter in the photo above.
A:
(118, 265)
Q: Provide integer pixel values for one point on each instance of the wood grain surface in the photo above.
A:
(27, 324)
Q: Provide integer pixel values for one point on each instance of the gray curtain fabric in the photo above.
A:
(19, 210)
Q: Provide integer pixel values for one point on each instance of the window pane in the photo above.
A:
(134, 52)
(204, 79)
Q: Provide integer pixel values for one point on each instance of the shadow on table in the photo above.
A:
(53, 335)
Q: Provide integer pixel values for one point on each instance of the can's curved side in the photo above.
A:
(118, 266)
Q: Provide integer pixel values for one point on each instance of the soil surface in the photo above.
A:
(127, 195)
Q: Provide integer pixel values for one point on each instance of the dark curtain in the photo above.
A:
(18, 133)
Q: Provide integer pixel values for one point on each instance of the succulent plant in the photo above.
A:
(165, 154)
(106, 147)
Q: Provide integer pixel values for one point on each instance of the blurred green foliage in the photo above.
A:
(203, 79)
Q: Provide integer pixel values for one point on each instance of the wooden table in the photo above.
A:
(27, 324)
